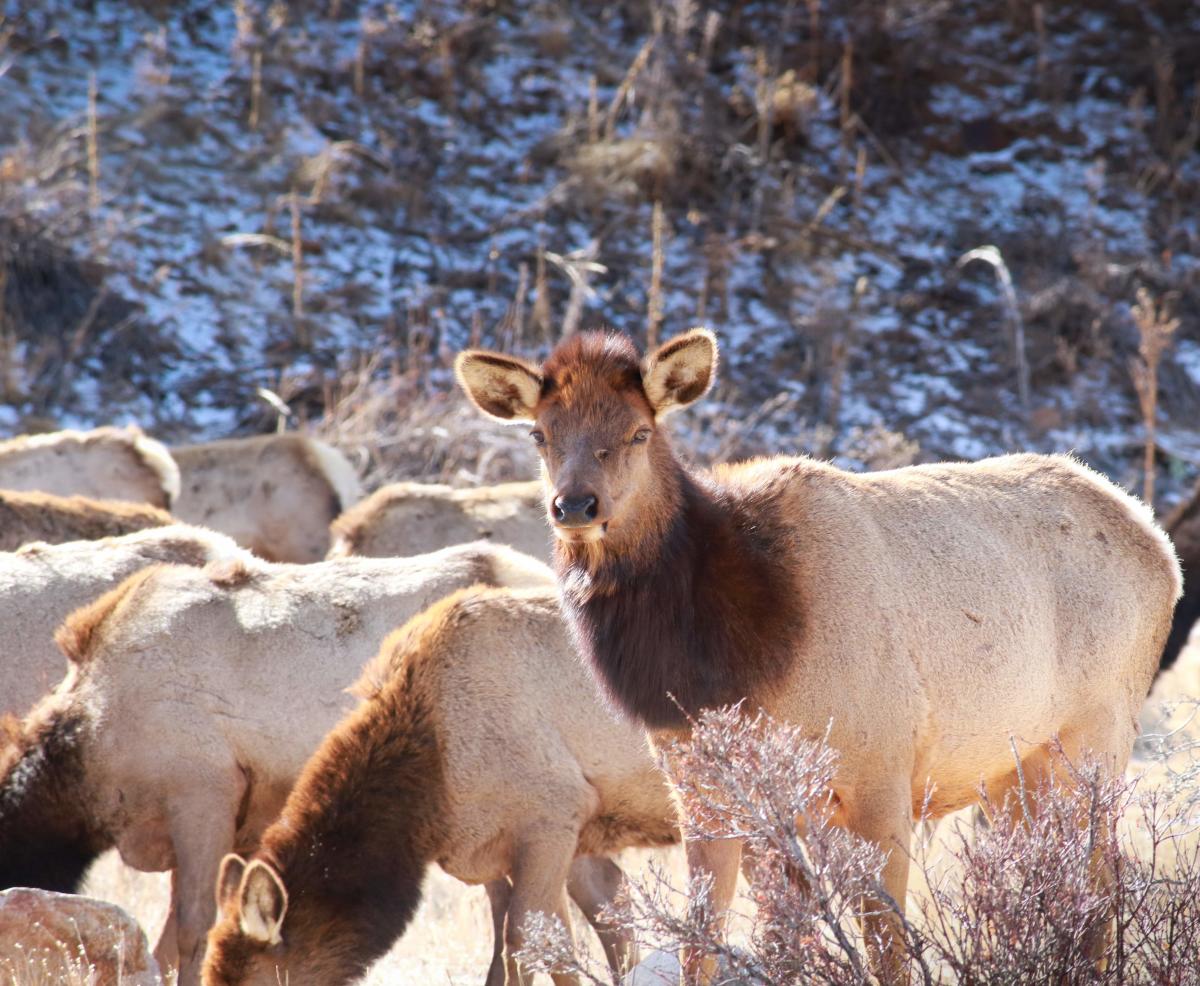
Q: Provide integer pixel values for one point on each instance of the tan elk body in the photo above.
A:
(932, 618)
(273, 494)
(41, 584)
(483, 745)
(193, 699)
(404, 518)
(105, 463)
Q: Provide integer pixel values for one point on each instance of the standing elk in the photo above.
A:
(41, 584)
(273, 494)
(483, 745)
(405, 518)
(36, 516)
(935, 619)
(193, 698)
(106, 463)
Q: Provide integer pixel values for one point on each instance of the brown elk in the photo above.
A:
(108, 463)
(407, 518)
(934, 618)
(192, 700)
(45, 517)
(273, 494)
(482, 745)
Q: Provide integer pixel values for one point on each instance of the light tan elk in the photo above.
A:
(273, 494)
(41, 584)
(36, 516)
(930, 616)
(404, 518)
(483, 745)
(192, 700)
(106, 463)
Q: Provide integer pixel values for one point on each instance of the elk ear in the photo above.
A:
(681, 371)
(500, 386)
(264, 903)
(229, 878)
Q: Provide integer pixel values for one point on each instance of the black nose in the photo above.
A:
(575, 511)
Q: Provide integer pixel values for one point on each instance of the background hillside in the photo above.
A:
(328, 199)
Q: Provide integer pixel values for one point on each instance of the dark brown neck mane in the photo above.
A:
(354, 841)
(47, 838)
(698, 614)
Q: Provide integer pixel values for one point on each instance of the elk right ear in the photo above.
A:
(264, 903)
(229, 878)
(681, 371)
(502, 387)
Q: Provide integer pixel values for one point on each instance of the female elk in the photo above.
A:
(932, 617)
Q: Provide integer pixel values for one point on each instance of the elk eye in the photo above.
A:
(640, 436)
(539, 438)
(602, 454)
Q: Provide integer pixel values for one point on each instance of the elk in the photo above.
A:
(406, 518)
(36, 516)
(41, 584)
(482, 744)
(273, 494)
(934, 619)
(1183, 525)
(192, 699)
(105, 463)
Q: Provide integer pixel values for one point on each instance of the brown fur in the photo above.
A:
(36, 516)
(82, 631)
(1183, 524)
(229, 573)
(47, 836)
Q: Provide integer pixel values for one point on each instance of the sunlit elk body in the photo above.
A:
(105, 463)
(273, 494)
(1183, 525)
(41, 584)
(482, 745)
(192, 699)
(406, 518)
(930, 617)
(36, 516)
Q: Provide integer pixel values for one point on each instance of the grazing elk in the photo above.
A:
(192, 700)
(482, 745)
(405, 518)
(1183, 525)
(273, 494)
(36, 516)
(106, 463)
(41, 584)
(934, 618)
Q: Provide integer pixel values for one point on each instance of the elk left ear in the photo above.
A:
(264, 903)
(500, 386)
(681, 371)
(229, 878)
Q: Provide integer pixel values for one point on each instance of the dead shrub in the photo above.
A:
(1011, 903)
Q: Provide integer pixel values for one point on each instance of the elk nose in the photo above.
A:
(575, 511)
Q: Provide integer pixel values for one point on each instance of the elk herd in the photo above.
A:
(224, 663)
